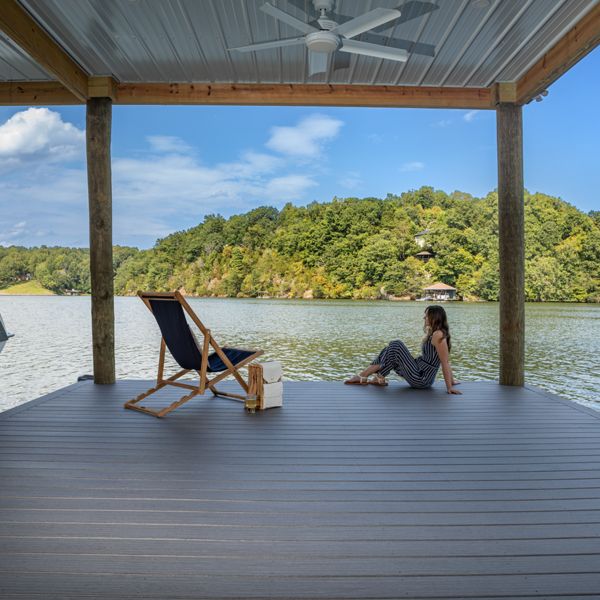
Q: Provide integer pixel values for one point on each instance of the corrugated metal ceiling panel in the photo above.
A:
(531, 21)
(15, 65)
(558, 24)
(494, 32)
(475, 42)
(388, 71)
(438, 26)
(471, 19)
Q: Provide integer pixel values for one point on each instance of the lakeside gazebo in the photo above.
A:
(440, 291)
(424, 255)
(347, 491)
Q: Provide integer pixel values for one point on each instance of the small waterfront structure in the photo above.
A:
(440, 291)
(424, 255)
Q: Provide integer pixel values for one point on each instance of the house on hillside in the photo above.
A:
(420, 238)
(440, 291)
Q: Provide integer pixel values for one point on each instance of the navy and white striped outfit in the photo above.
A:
(419, 372)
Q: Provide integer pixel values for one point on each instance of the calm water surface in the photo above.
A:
(314, 340)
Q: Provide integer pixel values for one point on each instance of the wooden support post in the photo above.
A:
(511, 230)
(98, 125)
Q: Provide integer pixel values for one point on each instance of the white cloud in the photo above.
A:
(38, 135)
(350, 180)
(10, 234)
(289, 187)
(168, 144)
(412, 166)
(182, 185)
(469, 116)
(442, 123)
(163, 188)
(305, 139)
(50, 200)
(253, 163)
(375, 138)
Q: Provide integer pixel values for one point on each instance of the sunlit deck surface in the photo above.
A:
(345, 492)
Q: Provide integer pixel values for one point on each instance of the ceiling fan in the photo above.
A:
(327, 36)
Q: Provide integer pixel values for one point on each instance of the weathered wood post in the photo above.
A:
(98, 127)
(511, 231)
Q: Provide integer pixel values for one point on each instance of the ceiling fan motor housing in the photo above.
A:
(326, 5)
(323, 41)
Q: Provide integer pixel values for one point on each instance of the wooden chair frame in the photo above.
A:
(204, 381)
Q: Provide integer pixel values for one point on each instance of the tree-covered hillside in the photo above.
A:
(348, 248)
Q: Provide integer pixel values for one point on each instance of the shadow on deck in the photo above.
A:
(346, 492)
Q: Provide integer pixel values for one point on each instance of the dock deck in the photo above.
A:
(345, 492)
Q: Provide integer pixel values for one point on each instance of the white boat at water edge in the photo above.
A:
(4, 335)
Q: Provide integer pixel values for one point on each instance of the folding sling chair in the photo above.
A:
(177, 336)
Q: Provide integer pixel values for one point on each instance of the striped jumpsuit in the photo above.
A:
(419, 372)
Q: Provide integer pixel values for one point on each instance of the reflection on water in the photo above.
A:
(314, 339)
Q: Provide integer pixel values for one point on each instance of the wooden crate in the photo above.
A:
(256, 384)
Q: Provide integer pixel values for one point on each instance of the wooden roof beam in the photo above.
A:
(304, 95)
(39, 93)
(572, 47)
(53, 93)
(22, 29)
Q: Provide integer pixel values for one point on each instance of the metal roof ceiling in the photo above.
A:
(477, 42)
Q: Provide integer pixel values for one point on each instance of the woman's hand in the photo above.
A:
(453, 391)
(440, 344)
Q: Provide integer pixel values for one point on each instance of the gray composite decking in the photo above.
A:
(345, 492)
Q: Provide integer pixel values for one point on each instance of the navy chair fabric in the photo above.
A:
(181, 342)
(233, 354)
(176, 333)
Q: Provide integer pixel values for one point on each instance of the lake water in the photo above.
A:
(314, 340)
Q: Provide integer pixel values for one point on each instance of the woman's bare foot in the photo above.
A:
(378, 379)
(357, 380)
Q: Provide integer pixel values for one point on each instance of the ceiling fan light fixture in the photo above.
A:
(323, 41)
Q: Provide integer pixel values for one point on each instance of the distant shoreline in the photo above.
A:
(308, 300)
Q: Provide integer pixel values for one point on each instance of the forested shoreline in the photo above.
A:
(346, 248)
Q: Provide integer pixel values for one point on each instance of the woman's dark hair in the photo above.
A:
(437, 321)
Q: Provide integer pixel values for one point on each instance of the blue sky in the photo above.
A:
(173, 165)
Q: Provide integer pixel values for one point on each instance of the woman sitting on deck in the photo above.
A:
(419, 372)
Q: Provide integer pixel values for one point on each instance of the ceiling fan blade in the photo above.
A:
(341, 60)
(413, 9)
(317, 62)
(410, 47)
(373, 18)
(267, 45)
(374, 50)
(287, 18)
